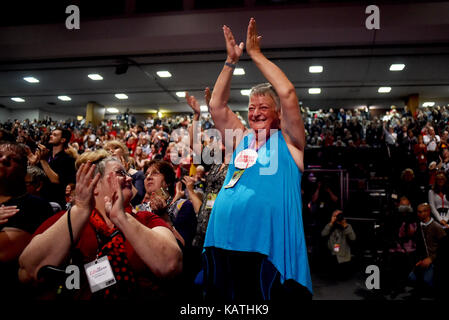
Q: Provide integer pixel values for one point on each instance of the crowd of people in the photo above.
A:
(140, 201)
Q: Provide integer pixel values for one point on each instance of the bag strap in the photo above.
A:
(72, 242)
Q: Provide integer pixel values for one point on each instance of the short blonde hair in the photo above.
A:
(92, 156)
(118, 144)
(98, 157)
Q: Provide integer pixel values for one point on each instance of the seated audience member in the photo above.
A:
(70, 195)
(20, 215)
(140, 247)
(432, 233)
(35, 181)
(438, 201)
(339, 234)
(164, 196)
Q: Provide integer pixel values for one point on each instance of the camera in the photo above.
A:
(340, 217)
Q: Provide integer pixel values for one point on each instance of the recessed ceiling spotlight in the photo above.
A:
(31, 79)
(428, 104)
(17, 99)
(314, 91)
(181, 94)
(112, 110)
(64, 98)
(95, 76)
(316, 69)
(384, 89)
(397, 67)
(245, 92)
(239, 71)
(121, 96)
(164, 74)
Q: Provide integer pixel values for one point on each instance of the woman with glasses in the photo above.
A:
(139, 250)
(119, 150)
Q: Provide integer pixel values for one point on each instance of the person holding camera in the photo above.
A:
(339, 234)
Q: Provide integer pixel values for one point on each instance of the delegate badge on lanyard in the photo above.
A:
(99, 273)
(235, 177)
(211, 200)
(246, 159)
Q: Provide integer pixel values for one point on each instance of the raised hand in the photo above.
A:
(85, 185)
(252, 38)
(33, 158)
(43, 152)
(114, 205)
(193, 103)
(207, 96)
(234, 51)
(7, 212)
(189, 182)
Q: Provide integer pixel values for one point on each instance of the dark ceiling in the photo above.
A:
(356, 62)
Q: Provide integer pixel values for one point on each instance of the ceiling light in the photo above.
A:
(159, 114)
(64, 98)
(31, 79)
(397, 67)
(181, 94)
(384, 89)
(428, 104)
(314, 91)
(245, 92)
(204, 108)
(121, 96)
(17, 99)
(95, 76)
(79, 118)
(112, 110)
(316, 69)
(164, 74)
(239, 71)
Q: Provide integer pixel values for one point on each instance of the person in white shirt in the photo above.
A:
(431, 140)
(438, 201)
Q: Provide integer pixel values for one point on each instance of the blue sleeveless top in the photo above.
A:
(263, 211)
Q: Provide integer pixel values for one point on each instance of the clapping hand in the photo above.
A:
(193, 103)
(85, 185)
(189, 182)
(43, 152)
(207, 96)
(252, 38)
(7, 212)
(234, 51)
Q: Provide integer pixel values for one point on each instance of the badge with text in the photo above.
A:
(99, 273)
(246, 159)
(336, 247)
(211, 200)
(235, 177)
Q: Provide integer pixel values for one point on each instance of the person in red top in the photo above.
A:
(140, 247)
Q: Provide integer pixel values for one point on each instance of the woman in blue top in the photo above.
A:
(255, 247)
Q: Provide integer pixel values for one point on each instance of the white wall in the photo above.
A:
(5, 114)
(22, 114)
(55, 116)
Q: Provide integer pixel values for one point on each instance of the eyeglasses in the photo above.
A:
(122, 173)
